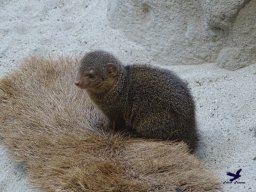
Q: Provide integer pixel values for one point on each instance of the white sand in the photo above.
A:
(226, 101)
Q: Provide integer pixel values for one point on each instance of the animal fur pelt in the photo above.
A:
(53, 130)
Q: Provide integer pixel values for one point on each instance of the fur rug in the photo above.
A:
(52, 128)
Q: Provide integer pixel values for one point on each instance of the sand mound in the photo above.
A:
(47, 124)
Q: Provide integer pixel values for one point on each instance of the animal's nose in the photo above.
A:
(77, 83)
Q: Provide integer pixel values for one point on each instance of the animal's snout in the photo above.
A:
(77, 83)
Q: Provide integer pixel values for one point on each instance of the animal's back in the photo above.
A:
(161, 89)
(163, 102)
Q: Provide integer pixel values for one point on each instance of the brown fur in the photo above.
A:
(147, 101)
(47, 123)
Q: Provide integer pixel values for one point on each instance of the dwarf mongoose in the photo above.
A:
(150, 102)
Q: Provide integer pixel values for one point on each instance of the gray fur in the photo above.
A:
(147, 101)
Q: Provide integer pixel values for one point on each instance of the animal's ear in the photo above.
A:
(91, 72)
(112, 69)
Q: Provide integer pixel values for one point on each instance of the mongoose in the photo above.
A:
(150, 102)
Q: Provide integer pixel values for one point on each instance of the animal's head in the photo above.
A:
(98, 72)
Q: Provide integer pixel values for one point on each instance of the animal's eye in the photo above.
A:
(91, 76)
